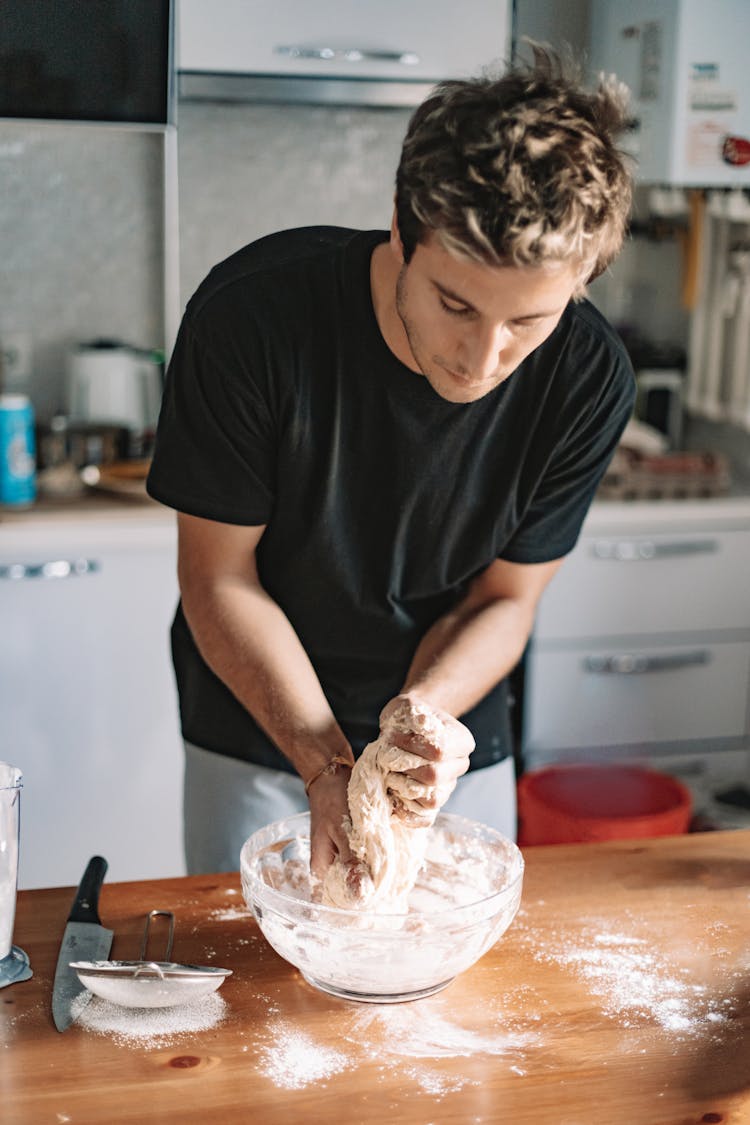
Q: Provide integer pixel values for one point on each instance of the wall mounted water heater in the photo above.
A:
(687, 63)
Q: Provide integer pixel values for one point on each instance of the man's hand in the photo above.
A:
(420, 790)
(329, 810)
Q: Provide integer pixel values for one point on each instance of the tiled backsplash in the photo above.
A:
(81, 216)
(80, 230)
(247, 170)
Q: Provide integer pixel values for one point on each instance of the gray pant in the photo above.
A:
(226, 800)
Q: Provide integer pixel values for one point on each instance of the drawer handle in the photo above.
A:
(54, 568)
(349, 54)
(636, 663)
(638, 550)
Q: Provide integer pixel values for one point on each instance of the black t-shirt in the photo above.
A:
(284, 406)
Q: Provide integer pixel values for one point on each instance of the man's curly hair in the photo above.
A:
(519, 170)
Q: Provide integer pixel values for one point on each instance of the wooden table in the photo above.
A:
(621, 995)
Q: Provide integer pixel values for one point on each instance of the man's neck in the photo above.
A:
(384, 272)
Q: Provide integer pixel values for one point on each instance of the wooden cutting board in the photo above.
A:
(620, 995)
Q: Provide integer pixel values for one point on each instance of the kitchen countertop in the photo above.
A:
(700, 434)
(621, 993)
(733, 441)
(90, 505)
(97, 509)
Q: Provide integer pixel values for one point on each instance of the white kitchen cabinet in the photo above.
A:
(388, 52)
(641, 647)
(88, 707)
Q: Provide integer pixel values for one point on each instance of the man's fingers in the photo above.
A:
(327, 844)
(413, 814)
(402, 785)
(457, 742)
(420, 800)
(322, 855)
(412, 728)
(409, 790)
(402, 762)
(394, 758)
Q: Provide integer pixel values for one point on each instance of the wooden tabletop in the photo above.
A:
(621, 995)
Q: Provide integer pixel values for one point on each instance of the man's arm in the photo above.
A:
(465, 654)
(477, 643)
(249, 643)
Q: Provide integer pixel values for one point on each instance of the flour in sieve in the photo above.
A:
(147, 1027)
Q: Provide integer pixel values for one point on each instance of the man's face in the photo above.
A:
(468, 326)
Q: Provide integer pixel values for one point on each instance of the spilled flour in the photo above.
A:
(147, 1027)
(231, 914)
(294, 1060)
(412, 1033)
(632, 979)
(418, 1031)
(628, 973)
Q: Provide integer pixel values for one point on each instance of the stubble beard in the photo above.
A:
(411, 336)
(435, 374)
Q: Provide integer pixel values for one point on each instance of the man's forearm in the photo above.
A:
(477, 643)
(467, 652)
(249, 643)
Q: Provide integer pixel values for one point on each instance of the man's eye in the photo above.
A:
(454, 310)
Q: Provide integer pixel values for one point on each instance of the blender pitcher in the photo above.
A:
(14, 964)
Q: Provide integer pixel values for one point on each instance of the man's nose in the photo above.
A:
(485, 349)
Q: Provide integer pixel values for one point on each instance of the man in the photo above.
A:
(380, 448)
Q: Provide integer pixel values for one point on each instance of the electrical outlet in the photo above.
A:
(15, 360)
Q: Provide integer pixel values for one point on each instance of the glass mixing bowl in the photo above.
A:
(465, 897)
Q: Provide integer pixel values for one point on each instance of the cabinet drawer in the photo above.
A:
(87, 702)
(615, 697)
(627, 585)
(388, 40)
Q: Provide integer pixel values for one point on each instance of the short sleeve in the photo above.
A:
(553, 519)
(215, 447)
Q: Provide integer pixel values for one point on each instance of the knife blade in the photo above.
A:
(84, 939)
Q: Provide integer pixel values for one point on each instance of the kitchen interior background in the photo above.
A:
(82, 231)
(81, 227)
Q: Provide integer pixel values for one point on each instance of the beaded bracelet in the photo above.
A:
(329, 767)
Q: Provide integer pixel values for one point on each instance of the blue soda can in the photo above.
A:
(17, 451)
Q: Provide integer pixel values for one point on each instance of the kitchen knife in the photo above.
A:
(85, 939)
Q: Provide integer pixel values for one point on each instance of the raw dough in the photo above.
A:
(387, 852)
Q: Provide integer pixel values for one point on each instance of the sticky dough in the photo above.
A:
(387, 852)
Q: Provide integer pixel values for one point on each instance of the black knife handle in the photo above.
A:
(85, 906)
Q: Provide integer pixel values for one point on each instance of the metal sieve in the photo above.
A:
(149, 984)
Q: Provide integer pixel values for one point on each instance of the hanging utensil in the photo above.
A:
(150, 984)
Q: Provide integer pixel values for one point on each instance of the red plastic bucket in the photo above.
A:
(577, 803)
